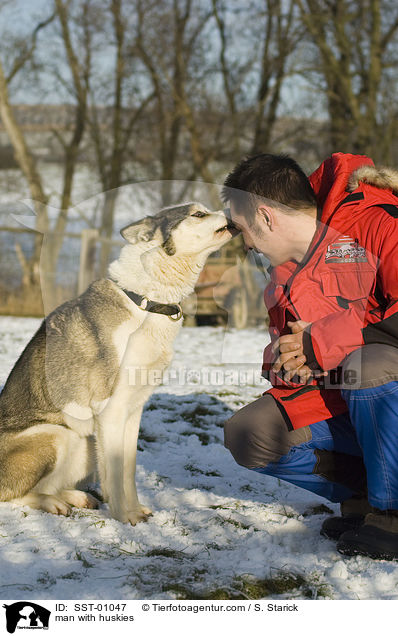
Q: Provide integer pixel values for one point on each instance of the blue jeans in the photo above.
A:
(369, 430)
(352, 454)
(299, 465)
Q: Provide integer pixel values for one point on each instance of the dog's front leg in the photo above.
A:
(111, 427)
(117, 435)
(135, 511)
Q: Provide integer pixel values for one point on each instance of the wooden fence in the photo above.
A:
(237, 301)
(77, 268)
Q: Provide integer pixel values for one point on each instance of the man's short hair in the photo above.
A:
(277, 178)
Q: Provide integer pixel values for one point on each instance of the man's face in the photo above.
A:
(268, 234)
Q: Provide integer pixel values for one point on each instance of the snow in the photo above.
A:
(217, 527)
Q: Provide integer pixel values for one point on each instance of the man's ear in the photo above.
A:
(142, 230)
(266, 213)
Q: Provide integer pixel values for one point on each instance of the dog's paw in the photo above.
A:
(53, 504)
(56, 506)
(79, 499)
(142, 513)
(48, 503)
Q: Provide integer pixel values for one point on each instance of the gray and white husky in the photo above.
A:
(72, 404)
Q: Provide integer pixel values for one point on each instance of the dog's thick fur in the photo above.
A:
(73, 401)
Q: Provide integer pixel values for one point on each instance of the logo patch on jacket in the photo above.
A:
(345, 250)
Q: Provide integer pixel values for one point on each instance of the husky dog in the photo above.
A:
(73, 401)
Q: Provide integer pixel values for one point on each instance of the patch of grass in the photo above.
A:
(73, 576)
(203, 437)
(196, 414)
(80, 513)
(22, 586)
(214, 546)
(185, 593)
(226, 393)
(236, 524)
(162, 479)
(250, 587)
(151, 407)
(207, 397)
(288, 512)
(282, 584)
(254, 588)
(145, 437)
(233, 506)
(194, 470)
(46, 579)
(321, 509)
(101, 523)
(168, 553)
(103, 553)
(246, 488)
(203, 487)
(82, 558)
(220, 507)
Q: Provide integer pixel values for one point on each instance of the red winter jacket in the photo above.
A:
(346, 287)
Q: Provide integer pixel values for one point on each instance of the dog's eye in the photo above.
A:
(199, 214)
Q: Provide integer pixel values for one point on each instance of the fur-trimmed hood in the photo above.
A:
(383, 178)
(342, 173)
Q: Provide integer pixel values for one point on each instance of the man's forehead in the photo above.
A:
(235, 211)
(237, 217)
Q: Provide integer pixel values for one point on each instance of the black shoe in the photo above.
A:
(334, 527)
(370, 541)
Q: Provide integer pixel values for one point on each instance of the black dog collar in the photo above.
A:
(174, 312)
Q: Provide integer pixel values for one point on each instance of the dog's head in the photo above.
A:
(184, 229)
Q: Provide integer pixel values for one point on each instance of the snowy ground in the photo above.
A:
(218, 530)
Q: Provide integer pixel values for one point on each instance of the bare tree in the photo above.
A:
(281, 35)
(170, 46)
(41, 267)
(79, 60)
(253, 80)
(116, 106)
(24, 157)
(353, 47)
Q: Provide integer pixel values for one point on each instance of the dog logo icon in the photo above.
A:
(26, 615)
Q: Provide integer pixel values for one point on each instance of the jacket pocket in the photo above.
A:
(354, 284)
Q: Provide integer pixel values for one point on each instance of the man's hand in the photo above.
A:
(291, 355)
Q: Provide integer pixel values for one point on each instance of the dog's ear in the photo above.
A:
(169, 219)
(169, 246)
(143, 230)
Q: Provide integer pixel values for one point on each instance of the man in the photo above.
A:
(330, 421)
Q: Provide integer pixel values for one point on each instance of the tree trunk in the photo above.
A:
(31, 267)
